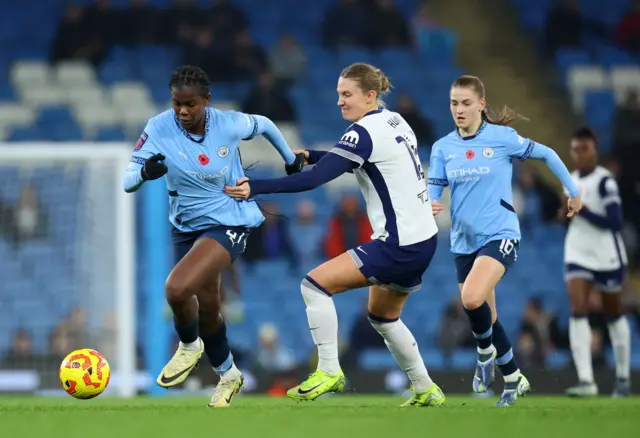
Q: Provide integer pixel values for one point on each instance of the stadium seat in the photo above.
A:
(127, 93)
(73, 74)
(623, 80)
(91, 117)
(86, 96)
(568, 58)
(13, 113)
(581, 79)
(599, 108)
(31, 74)
(110, 134)
(42, 95)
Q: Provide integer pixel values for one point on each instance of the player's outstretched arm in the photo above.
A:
(328, 168)
(265, 127)
(314, 156)
(555, 164)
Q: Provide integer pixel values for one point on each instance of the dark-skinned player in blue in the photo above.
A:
(195, 147)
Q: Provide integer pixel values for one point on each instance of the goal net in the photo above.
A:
(67, 245)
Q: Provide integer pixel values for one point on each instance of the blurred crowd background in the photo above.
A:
(94, 71)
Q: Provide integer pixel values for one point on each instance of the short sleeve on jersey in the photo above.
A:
(608, 190)
(355, 145)
(517, 145)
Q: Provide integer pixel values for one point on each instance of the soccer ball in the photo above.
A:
(84, 373)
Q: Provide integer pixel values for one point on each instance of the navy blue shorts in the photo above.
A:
(606, 281)
(505, 251)
(397, 267)
(233, 239)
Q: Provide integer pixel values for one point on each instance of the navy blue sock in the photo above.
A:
(481, 324)
(505, 359)
(217, 349)
(187, 333)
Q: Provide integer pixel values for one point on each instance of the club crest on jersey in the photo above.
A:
(223, 151)
(350, 139)
(487, 152)
(203, 159)
(141, 141)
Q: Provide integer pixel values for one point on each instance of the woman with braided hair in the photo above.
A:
(196, 147)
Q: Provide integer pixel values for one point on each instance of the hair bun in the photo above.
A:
(384, 81)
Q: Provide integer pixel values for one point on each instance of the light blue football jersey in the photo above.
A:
(198, 170)
(479, 170)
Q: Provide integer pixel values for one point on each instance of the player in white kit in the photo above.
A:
(594, 256)
(380, 148)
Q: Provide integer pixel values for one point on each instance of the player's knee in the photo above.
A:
(612, 307)
(579, 305)
(472, 300)
(382, 322)
(473, 296)
(177, 291)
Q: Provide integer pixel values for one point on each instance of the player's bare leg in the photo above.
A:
(620, 334)
(580, 337)
(213, 329)
(332, 277)
(385, 307)
(476, 292)
(187, 277)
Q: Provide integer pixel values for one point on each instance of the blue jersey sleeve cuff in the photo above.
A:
(438, 182)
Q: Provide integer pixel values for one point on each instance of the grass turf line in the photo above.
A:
(330, 417)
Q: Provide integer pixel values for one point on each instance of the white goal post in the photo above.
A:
(69, 281)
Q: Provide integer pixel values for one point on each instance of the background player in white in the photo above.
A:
(381, 150)
(594, 255)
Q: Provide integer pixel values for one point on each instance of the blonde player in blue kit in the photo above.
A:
(196, 147)
(475, 161)
(380, 148)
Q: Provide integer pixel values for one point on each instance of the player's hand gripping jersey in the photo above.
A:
(381, 150)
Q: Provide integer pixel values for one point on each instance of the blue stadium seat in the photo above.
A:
(53, 116)
(28, 133)
(110, 134)
(113, 71)
(566, 58)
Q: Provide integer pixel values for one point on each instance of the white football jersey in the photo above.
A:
(586, 245)
(391, 178)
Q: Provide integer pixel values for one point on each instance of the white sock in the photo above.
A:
(620, 335)
(404, 348)
(580, 340)
(323, 323)
(488, 350)
(232, 373)
(193, 346)
(513, 377)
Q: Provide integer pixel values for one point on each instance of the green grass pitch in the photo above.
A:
(339, 416)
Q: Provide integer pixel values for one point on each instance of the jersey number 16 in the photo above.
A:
(413, 152)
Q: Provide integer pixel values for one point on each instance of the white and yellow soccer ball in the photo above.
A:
(85, 373)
